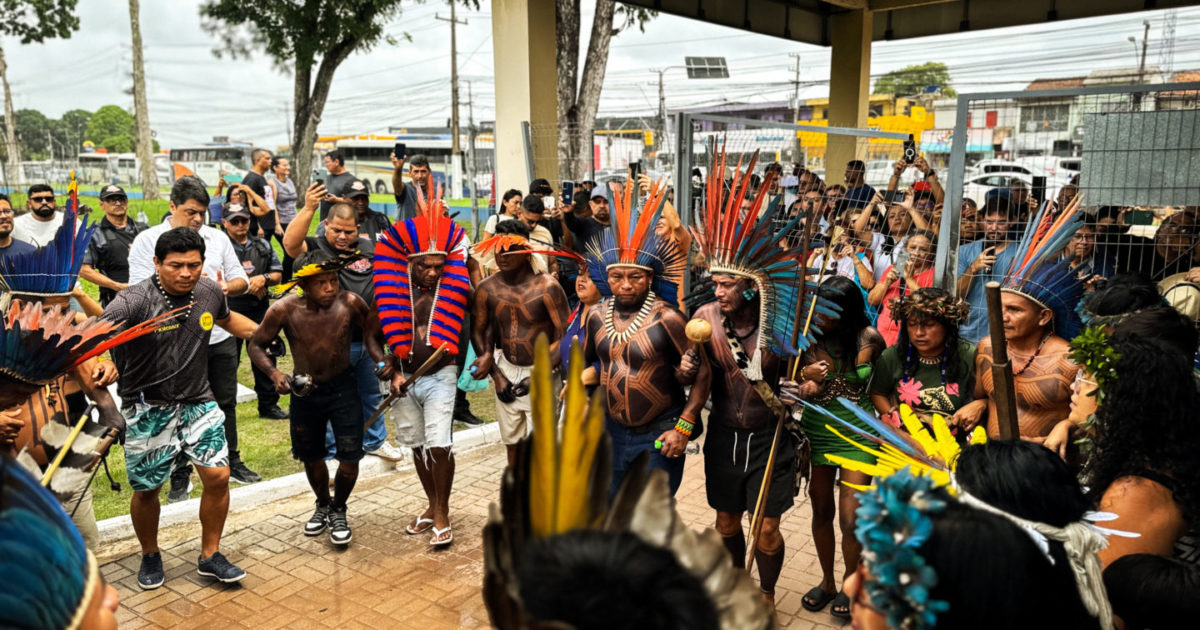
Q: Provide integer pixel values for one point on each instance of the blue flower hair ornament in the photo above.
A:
(893, 522)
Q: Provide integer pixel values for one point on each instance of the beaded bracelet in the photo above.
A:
(684, 427)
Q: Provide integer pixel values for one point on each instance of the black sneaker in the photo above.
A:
(151, 575)
(240, 474)
(339, 529)
(318, 522)
(272, 413)
(216, 566)
(180, 491)
(464, 415)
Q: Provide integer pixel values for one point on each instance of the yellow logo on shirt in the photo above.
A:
(206, 321)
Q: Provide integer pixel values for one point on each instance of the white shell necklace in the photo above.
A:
(168, 297)
(634, 326)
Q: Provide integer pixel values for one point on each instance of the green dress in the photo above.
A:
(845, 382)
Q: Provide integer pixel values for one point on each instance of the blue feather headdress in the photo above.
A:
(631, 242)
(51, 269)
(1039, 274)
(750, 246)
(50, 576)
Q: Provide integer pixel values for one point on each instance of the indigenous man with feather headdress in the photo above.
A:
(753, 295)
(423, 292)
(319, 326)
(511, 309)
(637, 335)
(43, 280)
(1040, 291)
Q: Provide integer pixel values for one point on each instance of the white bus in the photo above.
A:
(96, 168)
(209, 161)
(368, 158)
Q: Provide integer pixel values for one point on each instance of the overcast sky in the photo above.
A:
(194, 96)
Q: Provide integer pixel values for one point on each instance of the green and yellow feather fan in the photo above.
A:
(315, 263)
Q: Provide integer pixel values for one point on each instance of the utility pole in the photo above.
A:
(472, 168)
(797, 151)
(1145, 42)
(455, 149)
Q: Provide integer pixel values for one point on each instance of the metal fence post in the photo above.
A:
(527, 132)
(946, 265)
(683, 167)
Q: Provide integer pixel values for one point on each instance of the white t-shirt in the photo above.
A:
(218, 256)
(493, 221)
(38, 233)
(884, 261)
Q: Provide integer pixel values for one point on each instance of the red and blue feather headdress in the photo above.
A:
(52, 269)
(631, 242)
(431, 232)
(1039, 274)
(751, 246)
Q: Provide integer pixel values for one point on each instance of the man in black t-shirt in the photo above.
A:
(106, 262)
(264, 270)
(341, 236)
(336, 183)
(173, 411)
(586, 224)
(371, 224)
(260, 163)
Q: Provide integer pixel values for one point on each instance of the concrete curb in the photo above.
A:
(254, 496)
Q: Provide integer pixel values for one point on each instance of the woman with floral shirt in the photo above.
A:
(930, 367)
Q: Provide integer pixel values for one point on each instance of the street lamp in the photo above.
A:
(697, 68)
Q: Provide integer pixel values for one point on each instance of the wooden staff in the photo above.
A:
(421, 371)
(837, 232)
(66, 447)
(1003, 390)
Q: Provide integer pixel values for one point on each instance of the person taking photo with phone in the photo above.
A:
(984, 261)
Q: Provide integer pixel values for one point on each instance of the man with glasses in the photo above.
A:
(38, 226)
(264, 269)
(106, 262)
(10, 246)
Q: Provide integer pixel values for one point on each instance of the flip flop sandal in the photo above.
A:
(419, 526)
(841, 606)
(820, 598)
(437, 533)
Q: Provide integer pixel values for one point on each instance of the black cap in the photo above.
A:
(358, 188)
(112, 190)
(236, 210)
(540, 186)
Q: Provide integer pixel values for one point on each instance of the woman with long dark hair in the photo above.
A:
(1143, 463)
(838, 365)
(930, 368)
(911, 271)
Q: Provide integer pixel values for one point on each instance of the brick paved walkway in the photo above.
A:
(384, 579)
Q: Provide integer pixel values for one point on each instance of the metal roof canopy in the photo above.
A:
(808, 20)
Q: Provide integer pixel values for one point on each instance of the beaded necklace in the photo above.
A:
(908, 362)
(623, 336)
(168, 297)
(1035, 355)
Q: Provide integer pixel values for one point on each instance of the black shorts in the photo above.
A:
(734, 462)
(336, 404)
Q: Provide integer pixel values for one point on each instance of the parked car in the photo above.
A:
(977, 187)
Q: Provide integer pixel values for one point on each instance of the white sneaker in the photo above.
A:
(387, 451)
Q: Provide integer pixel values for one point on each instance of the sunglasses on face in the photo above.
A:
(49, 199)
(120, 200)
(239, 221)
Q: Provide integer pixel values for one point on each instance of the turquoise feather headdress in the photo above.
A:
(749, 246)
(631, 242)
(51, 270)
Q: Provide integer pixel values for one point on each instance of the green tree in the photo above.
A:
(33, 134)
(71, 129)
(107, 125)
(30, 21)
(310, 39)
(914, 79)
(117, 144)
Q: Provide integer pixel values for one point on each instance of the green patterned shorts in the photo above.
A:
(156, 435)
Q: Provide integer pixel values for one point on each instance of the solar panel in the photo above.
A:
(706, 68)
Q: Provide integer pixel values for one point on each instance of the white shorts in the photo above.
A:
(425, 417)
(514, 418)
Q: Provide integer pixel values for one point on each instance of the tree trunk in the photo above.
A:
(141, 115)
(566, 22)
(579, 99)
(10, 127)
(310, 103)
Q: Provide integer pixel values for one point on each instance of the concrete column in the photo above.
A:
(523, 53)
(849, 86)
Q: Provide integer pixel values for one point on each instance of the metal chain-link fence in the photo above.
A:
(1131, 152)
